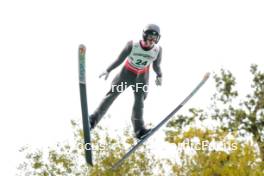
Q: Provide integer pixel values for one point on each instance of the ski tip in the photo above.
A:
(207, 75)
(82, 48)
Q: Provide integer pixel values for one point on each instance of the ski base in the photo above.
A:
(84, 107)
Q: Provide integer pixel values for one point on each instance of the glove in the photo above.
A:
(105, 74)
(158, 81)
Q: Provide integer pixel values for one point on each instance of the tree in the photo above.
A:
(230, 120)
(68, 159)
(248, 116)
(213, 153)
(230, 113)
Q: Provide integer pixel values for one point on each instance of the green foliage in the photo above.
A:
(229, 114)
(225, 83)
(68, 159)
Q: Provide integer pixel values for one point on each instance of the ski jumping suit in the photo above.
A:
(135, 73)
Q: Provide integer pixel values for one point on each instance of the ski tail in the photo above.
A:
(166, 119)
(84, 106)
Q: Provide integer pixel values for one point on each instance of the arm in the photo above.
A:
(156, 64)
(122, 56)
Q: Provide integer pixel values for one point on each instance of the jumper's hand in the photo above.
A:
(158, 81)
(105, 74)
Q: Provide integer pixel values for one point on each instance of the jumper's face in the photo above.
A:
(149, 43)
(151, 40)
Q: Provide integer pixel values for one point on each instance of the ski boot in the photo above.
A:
(140, 134)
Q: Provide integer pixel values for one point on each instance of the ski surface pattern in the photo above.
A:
(84, 106)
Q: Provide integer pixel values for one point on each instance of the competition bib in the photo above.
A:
(140, 58)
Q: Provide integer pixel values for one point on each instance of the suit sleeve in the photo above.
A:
(156, 64)
(122, 56)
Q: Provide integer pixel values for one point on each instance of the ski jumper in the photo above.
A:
(135, 73)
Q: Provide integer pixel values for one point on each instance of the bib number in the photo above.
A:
(139, 62)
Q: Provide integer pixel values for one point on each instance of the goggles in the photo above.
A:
(152, 37)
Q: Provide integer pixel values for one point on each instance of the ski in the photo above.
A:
(157, 127)
(84, 107)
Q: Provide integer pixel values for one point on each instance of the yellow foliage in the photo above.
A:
(239, 160)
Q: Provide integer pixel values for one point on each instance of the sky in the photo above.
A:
(39, 92)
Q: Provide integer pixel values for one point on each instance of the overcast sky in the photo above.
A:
(38, 60)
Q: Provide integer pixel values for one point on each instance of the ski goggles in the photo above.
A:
(153, 38)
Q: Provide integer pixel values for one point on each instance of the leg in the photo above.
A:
(140, 93)
(103, 107)
(137, 114)
(119, 84)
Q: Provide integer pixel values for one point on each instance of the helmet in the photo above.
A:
(151, 29)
